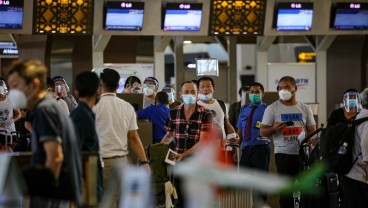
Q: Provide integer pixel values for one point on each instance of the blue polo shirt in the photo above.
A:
(256, 124)
(158, 115)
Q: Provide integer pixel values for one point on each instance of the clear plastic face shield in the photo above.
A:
(3, 88)
(352, 102)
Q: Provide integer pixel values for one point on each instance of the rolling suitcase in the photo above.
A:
(234, 197)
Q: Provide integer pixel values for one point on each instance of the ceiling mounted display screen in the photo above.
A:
(293, 16)
(11, 14)
(182, 17)
(123, 15)
(350, 16)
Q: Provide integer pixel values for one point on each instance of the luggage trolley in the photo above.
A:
(328, 182)
(8, 143)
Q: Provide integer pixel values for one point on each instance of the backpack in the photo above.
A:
(332, 138)
(156, 154)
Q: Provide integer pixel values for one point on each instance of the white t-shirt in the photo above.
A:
(6, 113)
(114, 119)
(288, 141)
(219, 117)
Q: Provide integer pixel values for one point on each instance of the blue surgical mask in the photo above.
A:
(170, 96)
(205, 97)
(189, 99)
(352, 103)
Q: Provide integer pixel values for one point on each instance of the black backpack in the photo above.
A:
(332, 138)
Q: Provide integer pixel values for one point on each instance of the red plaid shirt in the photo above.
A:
(187, 134)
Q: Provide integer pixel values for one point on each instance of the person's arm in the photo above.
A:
(54, 156)
(136, 144)
(203, 136)
(268, 131)
(17, 115)
(143, 113)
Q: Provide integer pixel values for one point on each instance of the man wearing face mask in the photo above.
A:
(133, 85)
(349, 111)
(150, 87)
(173, 103)
(8, 115)
(54, 141)
(286, 138)
(63, 91)
(255, 149)
(206, 89)
(189, 123)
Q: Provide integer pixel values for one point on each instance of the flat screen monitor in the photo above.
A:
(182, 17)
(11, 14)
(123, 15)
(351, 16)
(136, 100)
(207, 67)
(293, 16)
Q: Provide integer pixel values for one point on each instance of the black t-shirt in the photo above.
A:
(337, 116)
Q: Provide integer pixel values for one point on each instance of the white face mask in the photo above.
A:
(205, 97)
(147, 90)
(285, 95)
(18, 99)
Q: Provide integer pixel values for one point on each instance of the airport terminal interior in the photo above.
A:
(323, 44)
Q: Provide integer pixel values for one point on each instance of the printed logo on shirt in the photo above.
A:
(4, 114)
(291, 117)
(292, 133)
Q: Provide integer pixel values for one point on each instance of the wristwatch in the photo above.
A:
(144, 162)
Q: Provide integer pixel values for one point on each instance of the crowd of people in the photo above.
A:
(98, 121)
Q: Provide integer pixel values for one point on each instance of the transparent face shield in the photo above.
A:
(352, 102)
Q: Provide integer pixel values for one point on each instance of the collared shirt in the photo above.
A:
(114, 119)
(187, 134)
(255, 137)
(157, 114)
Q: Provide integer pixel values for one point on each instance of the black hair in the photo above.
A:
(50, 83)
(206, 79)
(257, 84)
(285, 79)
(162, 98)
(87, 84)
(243, 88)
(110, 79)
(188, 82)
(131, 80)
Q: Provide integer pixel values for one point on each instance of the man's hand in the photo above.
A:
(279, 126)
(178, 157)
(147, 168)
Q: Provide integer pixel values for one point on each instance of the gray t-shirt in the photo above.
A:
(288, 141)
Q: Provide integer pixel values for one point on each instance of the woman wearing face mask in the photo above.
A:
(351, 108)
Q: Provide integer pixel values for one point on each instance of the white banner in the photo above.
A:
(303, 73)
